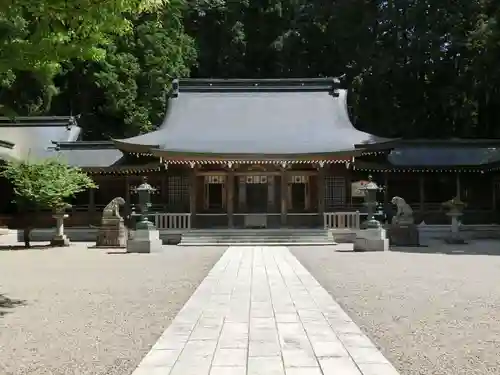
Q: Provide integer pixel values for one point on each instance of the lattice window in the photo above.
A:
(215, 179)
(254, 179)
(298, 179)
(177, 190)
(335, 192)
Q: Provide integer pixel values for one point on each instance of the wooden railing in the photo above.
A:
(172, 221)
(342, 220)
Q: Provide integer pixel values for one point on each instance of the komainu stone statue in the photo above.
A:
(403, 231)
(404, 213)
(112, 232)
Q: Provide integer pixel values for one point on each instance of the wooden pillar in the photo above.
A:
(421, 185)
(494, 194)
(92, 200)
(163, 192)
(128, 205)
(193, 190)
(230, 198)
(321, 190)
(284, 196)
(458, 187)
(386, 189)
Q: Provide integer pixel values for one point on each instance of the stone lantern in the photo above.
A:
(146, 238)
(370, 196)
(371, 236)
(144, 192)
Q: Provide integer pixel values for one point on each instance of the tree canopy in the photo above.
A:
(46, 184)
(415, 68)
(38, 35)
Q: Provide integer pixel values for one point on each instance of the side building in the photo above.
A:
(264, 153)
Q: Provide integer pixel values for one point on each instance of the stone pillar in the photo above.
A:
(230, 198)
(284, 196)
(60, 238)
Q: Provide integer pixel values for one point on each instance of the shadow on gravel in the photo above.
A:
(472, 248)
(7, 303)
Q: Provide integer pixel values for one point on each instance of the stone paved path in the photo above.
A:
(260, 312)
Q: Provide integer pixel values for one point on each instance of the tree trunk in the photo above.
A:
(26, 236)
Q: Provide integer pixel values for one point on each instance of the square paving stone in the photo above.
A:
(367, 355)
(230, 357)
(299, 358)
(265, 366)
(232, 370)
(377, 369)
(303, 371)
(338, 366)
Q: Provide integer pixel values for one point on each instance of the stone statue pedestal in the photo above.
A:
(146, 239)
(403, 235)
(455, 237)
(60, 239)
(112, 233)
(371, 239)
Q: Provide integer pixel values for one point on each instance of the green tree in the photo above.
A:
(124, 93)
(38, 36)
(46, 184)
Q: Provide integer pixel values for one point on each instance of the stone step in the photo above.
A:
(256, 236)
(259, 244)
(201, 240)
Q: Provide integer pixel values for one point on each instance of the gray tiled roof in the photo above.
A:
(444, 156)
(98, 157)
(33, 137)
(246, 120)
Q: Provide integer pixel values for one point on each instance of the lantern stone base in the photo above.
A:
(60, 238)
(373, 239)
(145, 241)
(59, 241)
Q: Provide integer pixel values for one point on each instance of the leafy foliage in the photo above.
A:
(415, 68)
(46, 184)
(38, 35)
(125, 93)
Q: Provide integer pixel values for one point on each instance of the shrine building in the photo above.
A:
(277, 153)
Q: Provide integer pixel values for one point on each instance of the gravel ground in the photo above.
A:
(429, 313)
(86, 312)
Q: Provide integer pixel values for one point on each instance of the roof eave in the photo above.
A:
(134, 148)
(193, 156)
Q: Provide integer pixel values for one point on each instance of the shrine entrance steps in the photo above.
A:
(264, 237)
